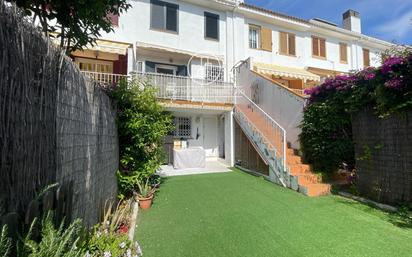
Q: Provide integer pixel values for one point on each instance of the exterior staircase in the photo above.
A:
(269, 137)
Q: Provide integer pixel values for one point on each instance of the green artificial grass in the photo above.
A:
(236, 214)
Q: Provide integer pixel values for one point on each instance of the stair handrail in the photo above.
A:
(272, 120)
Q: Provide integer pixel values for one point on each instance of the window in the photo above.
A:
(287, 43)
(183, 127)
(94, 65)
(366, 58)
(164, 16)
(211, 26)
(319, 47)
(214, 73)
(254, 37)
(343, 53)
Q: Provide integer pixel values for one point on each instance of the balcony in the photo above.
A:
(105, 79)
(176, 88)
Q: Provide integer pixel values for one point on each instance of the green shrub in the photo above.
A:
(142, 125)
(326, 137)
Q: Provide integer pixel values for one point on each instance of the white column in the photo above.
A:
(229, 139)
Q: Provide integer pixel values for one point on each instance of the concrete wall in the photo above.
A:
(55, 126)
(383, 149)
(282, 105)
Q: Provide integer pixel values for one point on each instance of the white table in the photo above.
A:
(192, 157)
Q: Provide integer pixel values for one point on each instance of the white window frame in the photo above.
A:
(254, 43)
(140, 66)
(166, 67)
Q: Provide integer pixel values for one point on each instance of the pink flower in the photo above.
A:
(390, 62)
(395, 83)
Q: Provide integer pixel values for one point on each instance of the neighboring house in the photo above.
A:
(191, 49)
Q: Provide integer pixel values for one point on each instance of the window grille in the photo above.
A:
(183, 127)
(214, 73)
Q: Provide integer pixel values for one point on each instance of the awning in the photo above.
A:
(282, 71)
(101, 45)
(110, 47)
(325, 72)
(158, 48)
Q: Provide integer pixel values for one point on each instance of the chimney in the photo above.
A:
(352, 21)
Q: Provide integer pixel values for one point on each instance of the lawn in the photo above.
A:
(236, 214)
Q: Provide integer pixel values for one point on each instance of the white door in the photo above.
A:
(210, 129)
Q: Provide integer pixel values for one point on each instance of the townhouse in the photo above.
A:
(193, 52)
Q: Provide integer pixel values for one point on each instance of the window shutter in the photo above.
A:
(266, 39)
(366, 58)
(171, 17)
(343, 50)
(322, 48)
(211, 25)
(157, 18)
(315, 46)
(292, 44)
(283, 43)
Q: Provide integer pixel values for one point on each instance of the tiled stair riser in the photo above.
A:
(296, 176)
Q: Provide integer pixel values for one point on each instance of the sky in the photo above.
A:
(390, 20)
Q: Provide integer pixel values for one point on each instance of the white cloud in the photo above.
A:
(396, 28)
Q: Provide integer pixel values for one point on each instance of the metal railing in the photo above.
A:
(188, 89)
(172, 87)
(271, 130)
(106, 79)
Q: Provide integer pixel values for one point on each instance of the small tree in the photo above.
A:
(75, 23)
(142, 126)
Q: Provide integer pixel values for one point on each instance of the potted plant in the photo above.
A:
(145, 194)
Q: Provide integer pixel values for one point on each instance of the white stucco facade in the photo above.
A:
(232, 46)
(183, 52)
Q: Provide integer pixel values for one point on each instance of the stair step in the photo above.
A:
(307, 178)
(296, 169)
(269, 142)
(293, 159)
(290, 151)
(316, 189)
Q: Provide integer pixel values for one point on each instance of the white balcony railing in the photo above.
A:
(175, 87)
(189, 89)
(106, 79)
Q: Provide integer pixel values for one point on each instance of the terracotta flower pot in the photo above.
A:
(145, 203)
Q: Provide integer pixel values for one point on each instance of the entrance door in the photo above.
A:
(210, 136)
